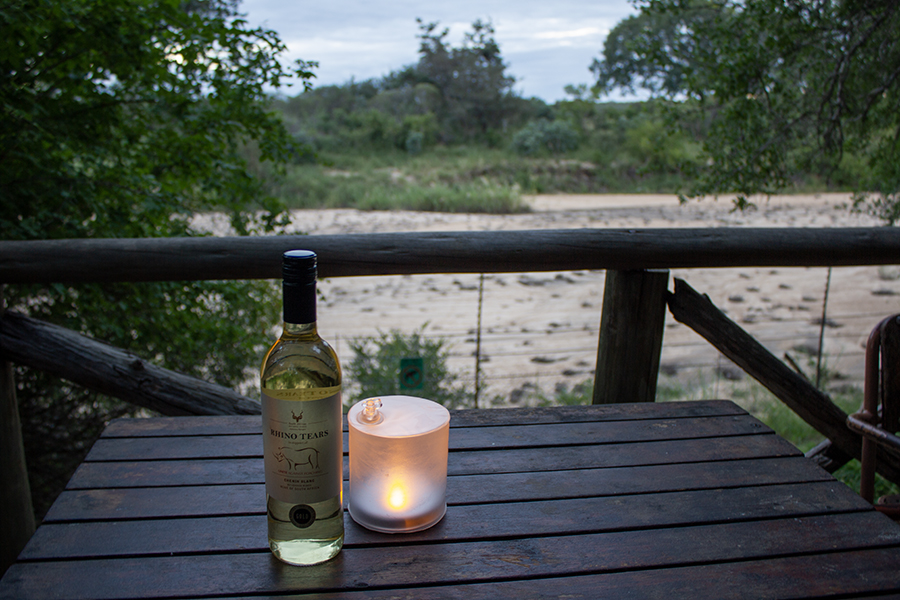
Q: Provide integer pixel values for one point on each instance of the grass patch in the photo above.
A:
(472, 197)
(451, 181)
(454, 179)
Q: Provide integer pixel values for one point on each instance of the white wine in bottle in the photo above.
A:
(301, 411)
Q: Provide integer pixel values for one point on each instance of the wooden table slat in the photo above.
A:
(222, 500)
(854, 574)
(466, 522)
(514, 460)
(252, 424)
(461, 438)
(591, 554)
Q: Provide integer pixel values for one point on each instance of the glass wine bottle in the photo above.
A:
(302, 440)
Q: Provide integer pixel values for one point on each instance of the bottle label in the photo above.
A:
(302, 444)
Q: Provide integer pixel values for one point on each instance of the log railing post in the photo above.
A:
(810, 404)
(16, 510)
(631, 332)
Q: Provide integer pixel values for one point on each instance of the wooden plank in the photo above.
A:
(150, 473)
(175, 426)
(195, 501)
(467, 522)
(851, 574)
(617, 455)
(697, 543)
(854, 574)
(631, 335)
(245, 424)
(461, 438)
(259, 257)
(521, 559)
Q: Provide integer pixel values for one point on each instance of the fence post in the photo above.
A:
(16, 510)
(631, 332)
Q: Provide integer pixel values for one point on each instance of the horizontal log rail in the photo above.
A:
(220, 258)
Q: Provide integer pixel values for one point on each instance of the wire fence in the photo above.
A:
(538, 332)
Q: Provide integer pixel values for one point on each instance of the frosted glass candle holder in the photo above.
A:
(398, 463)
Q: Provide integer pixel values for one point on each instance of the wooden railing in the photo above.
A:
(207, 258)
(635, 301)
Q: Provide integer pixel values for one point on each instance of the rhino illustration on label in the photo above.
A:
(296, 457)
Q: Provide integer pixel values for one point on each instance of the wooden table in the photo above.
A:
(669, 500)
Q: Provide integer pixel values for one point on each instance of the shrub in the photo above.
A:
(414, 142)
(375, 368)
(542, 136)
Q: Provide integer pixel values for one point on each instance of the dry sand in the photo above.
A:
(540, 330)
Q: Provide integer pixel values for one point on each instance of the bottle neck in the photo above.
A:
(299, 304)
(300, 329)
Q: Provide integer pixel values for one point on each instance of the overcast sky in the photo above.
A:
(546, 44)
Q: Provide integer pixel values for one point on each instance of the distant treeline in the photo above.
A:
(460, 100)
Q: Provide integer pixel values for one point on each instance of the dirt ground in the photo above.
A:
(539, 330)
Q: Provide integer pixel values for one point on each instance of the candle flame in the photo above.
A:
(397, 497)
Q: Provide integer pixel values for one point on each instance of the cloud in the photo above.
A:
(545, 45)
(571, 33)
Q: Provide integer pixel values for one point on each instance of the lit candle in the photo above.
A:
(397, 496)
(398, 463)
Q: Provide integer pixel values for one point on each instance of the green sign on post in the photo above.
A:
(412, 374)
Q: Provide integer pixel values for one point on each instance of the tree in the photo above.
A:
(126, 112)
(651, 50)
(451, 95)
(124, 118)
(789, 86)
(475, 90)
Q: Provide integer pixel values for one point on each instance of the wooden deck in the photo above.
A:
(658, 500)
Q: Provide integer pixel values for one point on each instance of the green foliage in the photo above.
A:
(580, 394)
(849, 474)
(475, 197)
(543, 136)
(375, 368)
(119, 114)
(652, 50)
(121, 119)
(475, 91)
(620, 148)
(441, 179)
(791, 88)
(451, 95)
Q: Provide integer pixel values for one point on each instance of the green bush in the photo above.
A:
(543, 136)
(414, 142)
(375, 368)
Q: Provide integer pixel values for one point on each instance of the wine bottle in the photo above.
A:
(300, 383)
